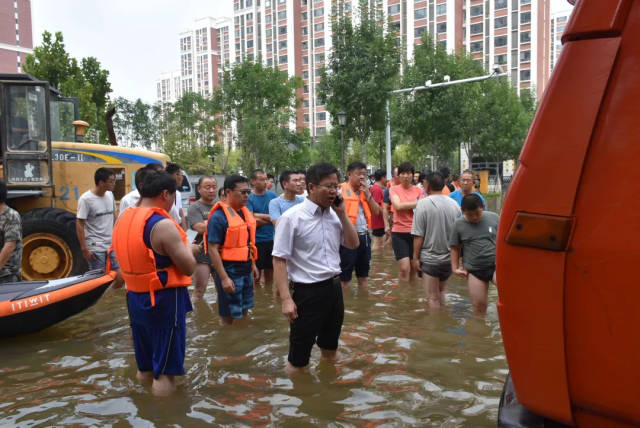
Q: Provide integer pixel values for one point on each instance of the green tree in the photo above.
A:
(361, 71)
(87, 81)
(261, 102)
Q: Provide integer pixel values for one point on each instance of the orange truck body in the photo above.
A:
(569, 235)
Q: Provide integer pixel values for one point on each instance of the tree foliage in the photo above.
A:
(361, 71)
(84, 80)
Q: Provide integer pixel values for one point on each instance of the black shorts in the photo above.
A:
(358, 259)
(442, 271)
(378, 232)
(264, 255)
(320, 315)
(402, 244)
(485, 274)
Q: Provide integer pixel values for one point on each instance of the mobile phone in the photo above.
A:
(337, 201)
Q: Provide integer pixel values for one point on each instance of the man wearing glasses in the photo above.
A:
(231, 240)
(306, 254)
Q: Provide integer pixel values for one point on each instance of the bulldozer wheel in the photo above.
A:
(50, 247)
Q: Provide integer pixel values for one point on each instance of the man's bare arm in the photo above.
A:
(165, 239)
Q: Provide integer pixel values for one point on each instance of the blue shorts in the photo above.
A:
(100, 262)
(358, 259)
(232, 304)
(159, 332)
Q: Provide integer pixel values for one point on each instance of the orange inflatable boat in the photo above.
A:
(27, 307)
(569, 236)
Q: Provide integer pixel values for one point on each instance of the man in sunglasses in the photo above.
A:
(231, 245)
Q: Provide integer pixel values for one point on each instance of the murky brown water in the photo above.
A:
(399, 365)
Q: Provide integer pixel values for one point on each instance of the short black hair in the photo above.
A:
(302, 171)
(377, 176)
(255, 172)
(455, 177)
(220, 192)
(172, 168)
(445, 172)
(471, 202)
(270, 176)
(317, 172)
(3, 191)
(232, 180)
(436, 181)
(204, 177)
(405, 167)
(155, 166)
(141, 174)
(285, 176)
(156, 183)
(356, 165)
(102, 174)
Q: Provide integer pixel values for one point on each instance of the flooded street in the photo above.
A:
(398, 365)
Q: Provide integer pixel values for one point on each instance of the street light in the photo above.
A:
(342, 121)
(496, 72)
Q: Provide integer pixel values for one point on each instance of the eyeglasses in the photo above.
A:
(329, 186)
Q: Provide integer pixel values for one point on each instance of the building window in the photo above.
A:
(476, 11)
(270, 62)
(500, 59)
(282, 15)
(319, 26)
(500, 22)
(476, 47)
(305, 74)
(282, 59)
(249, 30)
(305, 60)
(303, 2)
(476, 28)
(282, 1)
(282, 30)
(441, 9)
(525, 17)
(306, 118)
(321, 130)
(441, 27)
(269, 48)
(420, 13)
(501, 4)
(303, 16)
(525, 75)
(319, 42)
(282, 45)
(320, 103)
(248, 3)
(394, 9)
(269, 33)
(320, 116)
(524, 2)
(305, 103)
(525, 37)
(249, 17)
(500, 41)
(318, 12)
(305, 89)
(419, 31)
(305, 46)
(525, 56)
(319, 57)
(249, 44)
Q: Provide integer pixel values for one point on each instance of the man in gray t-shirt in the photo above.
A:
(475, 234)
(432, 225)
(94, 222)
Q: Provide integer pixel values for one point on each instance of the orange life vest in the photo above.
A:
(137, 261)
(351, 200)
(240, 240)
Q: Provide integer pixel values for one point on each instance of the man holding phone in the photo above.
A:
(360, 206)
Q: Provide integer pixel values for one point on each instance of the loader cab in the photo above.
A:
(25, 135)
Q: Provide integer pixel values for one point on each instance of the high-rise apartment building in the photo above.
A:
(16, 39)
(295, 35)
(203, 51)
(558, 24)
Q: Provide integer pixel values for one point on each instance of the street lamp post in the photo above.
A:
(428, 85)
(342, 121)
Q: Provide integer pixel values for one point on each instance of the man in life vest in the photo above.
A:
(360, 206)
(231, 245)
(156, 261)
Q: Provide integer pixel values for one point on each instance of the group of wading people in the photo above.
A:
(309, 241)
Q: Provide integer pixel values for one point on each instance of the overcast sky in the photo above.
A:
(135, 40)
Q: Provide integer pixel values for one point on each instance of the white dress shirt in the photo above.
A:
(309, 239)
(129, 200)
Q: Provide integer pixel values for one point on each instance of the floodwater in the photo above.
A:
(399, 365)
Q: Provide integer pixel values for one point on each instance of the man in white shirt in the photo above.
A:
(176, 212)
(131, 199)
(306, 251)
(94, 222)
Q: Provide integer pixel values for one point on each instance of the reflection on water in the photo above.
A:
(399, 364)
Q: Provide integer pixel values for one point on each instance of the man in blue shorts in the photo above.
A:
(292, 184)
(156, 262)
(231, 237)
